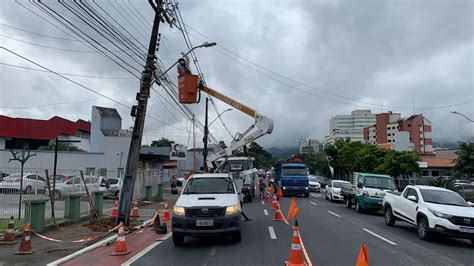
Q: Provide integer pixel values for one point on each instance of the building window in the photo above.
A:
(389, 140)
(435, 173)
(425, 173)
(90, 170)
(393, 140)
(389, 134)
(102, 171)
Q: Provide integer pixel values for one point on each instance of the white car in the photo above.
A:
(76, 186)
(333, 190)
(114, 190)
(314, 185)
(32, 183)
(208, 205)
(432, 210)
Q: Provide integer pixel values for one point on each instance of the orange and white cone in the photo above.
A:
(115, 209)
(363, 259)
(278, 215)
(275, 204)
(9, 238)
(296, 253)
(267, 198)
(120, 243)
(25, 244)
(135, 212)
(166, 213)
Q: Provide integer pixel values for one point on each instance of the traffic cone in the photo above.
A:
(275, 204)
(267, 198)
(156, 221)
(25, 244)
(363, 259)
(166, 213)
(296, 254)
(120, 243)
(278, 216)
(135, 213)
(115, 209)
(9, 238)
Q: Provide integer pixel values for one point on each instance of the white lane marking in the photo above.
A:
(146, 250)
(380, 237)
(263, 202)
(265, 211)
(335, 214)
(272, 232)
(313, 203)
(315, 195)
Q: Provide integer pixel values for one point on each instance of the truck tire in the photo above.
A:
(357, 207)
(347, 202)
(236, 237)
(423, 229)
(389, 218)
(178, 240)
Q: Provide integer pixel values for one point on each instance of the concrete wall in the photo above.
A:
(97, 138)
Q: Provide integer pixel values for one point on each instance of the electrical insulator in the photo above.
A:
(133, 112)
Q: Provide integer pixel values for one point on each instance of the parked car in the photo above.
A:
(460, 181)
(32, 183)
(333, 190)
(209, 205)
(321, 180)
(314, 185)
(432, 210)
(465, 190)
(60, 178)
(76, 186)
(114, 188)
(3, 175)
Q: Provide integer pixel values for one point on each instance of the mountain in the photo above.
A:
(283, 153)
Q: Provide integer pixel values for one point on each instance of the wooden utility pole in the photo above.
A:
(139, 111)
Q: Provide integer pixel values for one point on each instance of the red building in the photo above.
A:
(17, 132)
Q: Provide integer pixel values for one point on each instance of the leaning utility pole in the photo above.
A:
(139, 111)
(205, 139)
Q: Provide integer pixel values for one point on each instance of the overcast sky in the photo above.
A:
(298, 62)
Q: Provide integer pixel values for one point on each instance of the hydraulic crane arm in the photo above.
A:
(263, 125)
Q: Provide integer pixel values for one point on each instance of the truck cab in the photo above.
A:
(293, 178)
(243, 172)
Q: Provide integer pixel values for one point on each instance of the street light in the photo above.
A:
(458, 113)
(230, 109)
(204, 45)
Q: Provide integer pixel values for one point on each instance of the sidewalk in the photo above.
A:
(48, 251)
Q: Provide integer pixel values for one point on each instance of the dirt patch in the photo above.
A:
(101, 225)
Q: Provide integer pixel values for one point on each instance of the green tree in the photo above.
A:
(465, 160)
(163, 142)
(262, 157)
(62, 146)
(316, 162)
(399, 164)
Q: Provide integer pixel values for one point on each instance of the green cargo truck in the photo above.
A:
(367, 191)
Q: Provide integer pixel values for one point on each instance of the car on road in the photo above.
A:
(321, 180)
(465, 190)
(209, 205)
(114, 189)
(432, 210)
(314, 185)
(32, 183)
(333, 190)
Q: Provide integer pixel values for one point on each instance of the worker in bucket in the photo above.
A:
(183, 65)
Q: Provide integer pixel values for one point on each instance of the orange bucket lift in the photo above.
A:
(188, 88)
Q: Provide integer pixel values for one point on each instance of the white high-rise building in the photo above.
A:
(349, 126)
(309, 145)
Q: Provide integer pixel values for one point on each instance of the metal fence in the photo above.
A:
(16, 192)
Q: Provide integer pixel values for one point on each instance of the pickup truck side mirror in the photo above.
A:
(360, 185)
(412, 198)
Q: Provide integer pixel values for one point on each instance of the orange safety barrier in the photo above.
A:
(120, 243)
(115, 209)
(25, 244)
(135, 213)
(296, 253)
(9, 238)
(363, 259)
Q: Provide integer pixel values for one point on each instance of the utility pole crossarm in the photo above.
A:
(235, 104)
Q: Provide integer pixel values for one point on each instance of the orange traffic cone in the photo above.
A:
(135, 213)
(296, 254)
(275, 204)
(9, 238)
(267, 198)
(115, 209)
(363, 259)
(166, 213)
(25, 244)
(278, 215)
(120, 243)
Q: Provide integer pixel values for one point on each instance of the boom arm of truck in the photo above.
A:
(263, 125)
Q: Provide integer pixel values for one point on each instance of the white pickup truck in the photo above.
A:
(432, 210)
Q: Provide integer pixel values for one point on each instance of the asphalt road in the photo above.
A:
(331, 233)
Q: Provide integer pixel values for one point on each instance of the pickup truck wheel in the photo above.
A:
(423, 229)
(358, 208)
(348, 202)
(178, 240)
(389, 218)
(237, 237)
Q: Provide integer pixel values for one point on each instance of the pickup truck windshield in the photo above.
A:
(294, 172)
(338, 184)
(209, 186)
(377, 182)
(443, 197)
